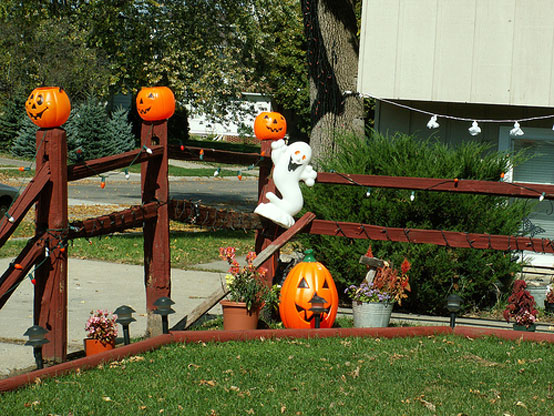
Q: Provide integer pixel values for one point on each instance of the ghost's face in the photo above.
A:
(300, 153)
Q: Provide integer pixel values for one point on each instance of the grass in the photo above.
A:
(15, 173)
(188, 248)
(445, 375)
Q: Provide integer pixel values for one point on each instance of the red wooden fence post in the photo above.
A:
(155, 188)
(270, 231)
(50, 302)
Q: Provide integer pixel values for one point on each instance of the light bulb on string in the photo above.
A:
(217, 172)
(474, 130)
(239, 175)
(127, 175)
(10, 218)
(182, 147)
(368, 192)
(541, 198)
(147, 149)
(502, 175)
(432, 123)
(412, 196)
(201, 154)
(516, 130)
(32, 279)
(24, 169)
(103, 182)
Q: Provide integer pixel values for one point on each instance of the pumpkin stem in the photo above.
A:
(309, 256)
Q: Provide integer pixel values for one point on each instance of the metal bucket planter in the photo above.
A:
(371, 315)
(530, 328)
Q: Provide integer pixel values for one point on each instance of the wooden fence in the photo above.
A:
(48, 189)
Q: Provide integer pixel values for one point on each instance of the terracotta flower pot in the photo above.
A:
(93, 346)
(236, 316)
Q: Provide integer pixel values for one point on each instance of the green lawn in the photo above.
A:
(436, 375)
(187, 248)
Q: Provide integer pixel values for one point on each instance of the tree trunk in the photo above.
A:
(331, 33)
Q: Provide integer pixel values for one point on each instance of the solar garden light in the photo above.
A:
(125, 317)
(37, 339)
(453, 304)
(318, 307)
(164, 308)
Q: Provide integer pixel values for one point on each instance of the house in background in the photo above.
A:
(231, 127)
(474, 59)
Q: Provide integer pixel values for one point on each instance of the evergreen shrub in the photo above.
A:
(91, 133)
(24, 145)
(479, 276)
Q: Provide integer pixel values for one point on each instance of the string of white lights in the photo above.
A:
(473, 130)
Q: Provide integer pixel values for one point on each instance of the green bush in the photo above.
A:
(91, 133)
(24, 144)
(11, 118)
(479, 276)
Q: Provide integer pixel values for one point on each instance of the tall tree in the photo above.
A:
(331, 29)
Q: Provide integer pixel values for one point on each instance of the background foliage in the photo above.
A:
(208, 52)
(91, 132)
(479, 276)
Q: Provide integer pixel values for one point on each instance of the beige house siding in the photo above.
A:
(476, 51)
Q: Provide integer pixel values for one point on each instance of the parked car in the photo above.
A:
(8, 194)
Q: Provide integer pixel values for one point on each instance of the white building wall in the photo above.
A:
(475, 51)
(253, 104)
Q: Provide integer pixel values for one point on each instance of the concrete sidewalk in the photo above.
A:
(98, 285)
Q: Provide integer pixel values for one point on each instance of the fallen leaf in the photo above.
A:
(521, 404)
(106, 398)
(250, 411)
(210, 383)
(427, 404)
(283, 409)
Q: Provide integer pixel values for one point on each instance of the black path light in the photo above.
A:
(37, 339)
(125, 317)
(453, 304)
(318, 308)
(163, 305)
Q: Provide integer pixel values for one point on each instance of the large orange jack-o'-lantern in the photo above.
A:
(270, 126)
(305, 280)
(48, 107)
(155, 103)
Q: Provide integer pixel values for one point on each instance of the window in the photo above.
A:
(540, 169)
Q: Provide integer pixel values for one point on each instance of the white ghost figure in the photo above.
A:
(291, 167)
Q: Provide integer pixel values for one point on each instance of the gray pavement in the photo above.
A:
(98, 285)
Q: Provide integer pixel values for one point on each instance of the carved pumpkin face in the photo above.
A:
(155, 103)
(270, 126)
(305, 280)
(48, 107)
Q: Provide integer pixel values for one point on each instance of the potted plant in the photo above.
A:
(521, 308)
(247, 291)
(372, 302)
(101, 329)
(549, 299)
